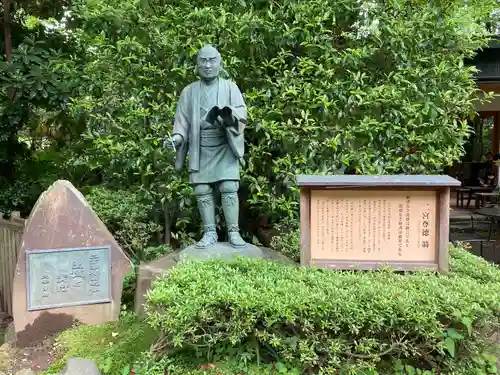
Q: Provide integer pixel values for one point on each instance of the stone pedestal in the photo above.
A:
(146, 274)
(223, 250)
(149, 272)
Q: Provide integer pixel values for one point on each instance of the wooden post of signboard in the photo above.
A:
(444, 228)
(362, 222)
(305, 220)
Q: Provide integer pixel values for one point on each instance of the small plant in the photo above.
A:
(114, 347)
(155, 252)
(288, 242)
(128, 292)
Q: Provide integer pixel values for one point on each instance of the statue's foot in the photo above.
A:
(235, 240)
(209, 239)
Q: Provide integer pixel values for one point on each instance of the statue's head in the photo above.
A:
(208, 62)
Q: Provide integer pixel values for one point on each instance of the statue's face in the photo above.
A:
(209, 62)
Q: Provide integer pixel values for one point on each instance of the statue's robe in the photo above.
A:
(215, 150)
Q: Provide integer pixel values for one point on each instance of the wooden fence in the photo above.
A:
(11, 231)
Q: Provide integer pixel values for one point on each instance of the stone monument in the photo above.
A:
(70, 268)
(209, 124)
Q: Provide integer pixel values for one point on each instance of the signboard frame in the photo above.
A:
(108, 299)
(437, 183)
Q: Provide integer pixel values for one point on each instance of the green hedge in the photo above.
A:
(328, 321)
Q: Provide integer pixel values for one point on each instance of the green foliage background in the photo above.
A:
(332, 87)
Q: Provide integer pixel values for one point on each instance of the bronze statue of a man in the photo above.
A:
(209, 122)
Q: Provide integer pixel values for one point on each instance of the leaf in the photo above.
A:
(449, 345)
(107, 365)
(282, 369)
(467, 322)
(453, 334)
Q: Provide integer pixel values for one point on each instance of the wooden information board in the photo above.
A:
(362, 222)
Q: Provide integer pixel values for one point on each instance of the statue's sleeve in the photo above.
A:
(239, 109)
(182, 127)
(235, 132)
(181, 122)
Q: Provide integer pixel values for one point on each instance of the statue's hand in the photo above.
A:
(175, 141)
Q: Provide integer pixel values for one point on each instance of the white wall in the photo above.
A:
(494, 105)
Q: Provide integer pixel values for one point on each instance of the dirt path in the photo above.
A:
(4, 322)
(36, 358)
(4, 351)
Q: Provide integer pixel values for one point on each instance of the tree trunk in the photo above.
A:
(7, 30)
(167, 214)
(8, 41)
(159, 234)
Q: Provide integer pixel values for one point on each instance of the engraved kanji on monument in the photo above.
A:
(70, 268)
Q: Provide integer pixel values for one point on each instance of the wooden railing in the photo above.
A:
(11, 231)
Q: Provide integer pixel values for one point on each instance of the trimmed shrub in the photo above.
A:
(327, 321)
(148, 364)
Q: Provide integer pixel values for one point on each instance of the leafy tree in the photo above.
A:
(32, 95)
(344, 87)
